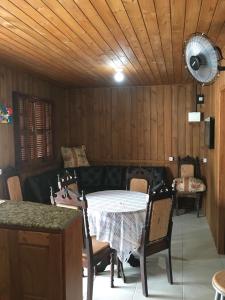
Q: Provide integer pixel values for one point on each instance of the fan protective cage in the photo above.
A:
(199, 45)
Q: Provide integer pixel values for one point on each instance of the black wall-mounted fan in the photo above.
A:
(202, 58)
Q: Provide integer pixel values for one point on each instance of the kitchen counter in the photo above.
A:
(35, 216)
(40, 252)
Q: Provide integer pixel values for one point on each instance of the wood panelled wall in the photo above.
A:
(128, 125)
(146, 125)
(215, 202)
(135, 125)
(12, 80)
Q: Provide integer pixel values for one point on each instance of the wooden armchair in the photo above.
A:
(138, 180)
(156, 235)
(189, 183)
(94, 251)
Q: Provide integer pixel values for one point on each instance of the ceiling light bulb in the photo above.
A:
(119, 76)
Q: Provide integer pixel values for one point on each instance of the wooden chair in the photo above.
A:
(11, 184)
(14, 188)
(156, 234)
(94, 251)
(189, 184)
(218, 282)
(138, 180)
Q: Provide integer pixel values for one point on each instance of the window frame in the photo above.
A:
(29, 161)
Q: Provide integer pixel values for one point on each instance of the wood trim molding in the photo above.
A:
(133, 162)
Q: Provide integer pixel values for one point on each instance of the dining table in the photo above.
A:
(116, 217)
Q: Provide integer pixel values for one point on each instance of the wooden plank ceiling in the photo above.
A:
(82, 42)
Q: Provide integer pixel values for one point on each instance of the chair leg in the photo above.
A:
(95, 271)
(169, 266)
(198, 198)
(90, 281)
(144, 275)
(122, 271)
(118, 267)
(112, 259)
(217, 296)
(177, 205)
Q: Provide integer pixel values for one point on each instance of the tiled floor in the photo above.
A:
(194, 260)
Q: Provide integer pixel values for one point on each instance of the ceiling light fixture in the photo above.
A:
(119, 76)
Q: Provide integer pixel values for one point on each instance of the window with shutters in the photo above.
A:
(33, 129)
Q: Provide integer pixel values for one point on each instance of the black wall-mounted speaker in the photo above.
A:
(209, 132)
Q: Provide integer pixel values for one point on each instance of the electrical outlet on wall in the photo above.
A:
(171, 158)
(204, 160)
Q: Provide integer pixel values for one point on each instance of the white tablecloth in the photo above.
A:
(117, 217)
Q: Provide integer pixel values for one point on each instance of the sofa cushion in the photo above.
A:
(74, 156)
(37, 188)
(81, 157)
(114, 177)
(156, 174)
(69, 157)
(90, 177)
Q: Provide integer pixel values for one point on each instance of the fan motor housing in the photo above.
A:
(196, 61)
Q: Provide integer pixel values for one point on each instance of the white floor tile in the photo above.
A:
(194, 260)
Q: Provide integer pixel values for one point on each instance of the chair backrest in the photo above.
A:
(68, 181)
(79, 202)
(14, 188)
(138, 180)
(82, 204)
(158, 223)
(139, 185)
(188, 167)
(87, 244)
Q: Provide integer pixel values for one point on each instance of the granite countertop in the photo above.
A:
(34, 216)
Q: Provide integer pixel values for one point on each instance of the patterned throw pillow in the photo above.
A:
(81, 156)
(69, 157)
(189, 184)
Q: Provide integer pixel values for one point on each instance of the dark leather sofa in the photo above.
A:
(90, 179)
